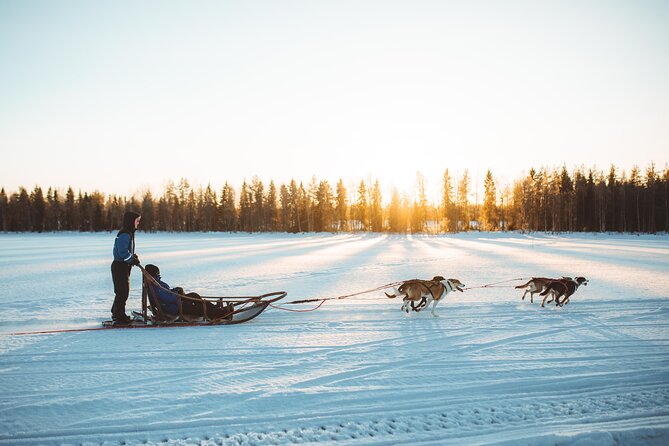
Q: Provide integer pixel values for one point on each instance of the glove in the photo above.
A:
(135, 260)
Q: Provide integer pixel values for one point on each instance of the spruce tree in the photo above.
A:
(490, 219)
(361, 207)
(228, 209)
(209, 210)
(71, 219)
(324, 215)
(163, 217)
(463, 202)
(54, 211)
(3, 210)
(395, 213)
(342, 207)
(284, 199)
(245, 208)
(257, 191)
(304, 209)
(38, 209)
(272, 211)
(448, 212)
(376, 208)
(148, 213)
(295, 220)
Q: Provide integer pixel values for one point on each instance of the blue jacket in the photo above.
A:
(124, 247)
(168, 301)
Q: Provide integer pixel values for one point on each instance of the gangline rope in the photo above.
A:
(322, 300)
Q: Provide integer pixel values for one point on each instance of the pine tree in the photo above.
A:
(245, 208)
(324, 208)
(635, 183)
(272, 211)
(361, 208)
(284, 213)
(228, 209)
(115, 213)
(38, 209)
(181, 204)
(295, 220)
(376, 208)
(419, 213)
(490, 217)
(650, 196)
(395, 213)
(304, 206)
(665, 198)
(463, 202)
(163, 222)
(54, 217)
(448, 212)
(257, 190)
(566, 192)
(174, 211)
(71, 217)
(342, 207)
(3, 210)
(191, 212)
(84, 205)
(97, 211)
(209, 210)
(147, 212)
(611, 198)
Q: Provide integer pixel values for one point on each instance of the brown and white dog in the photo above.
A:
(418, 294)
(564, 288)
(535, 285)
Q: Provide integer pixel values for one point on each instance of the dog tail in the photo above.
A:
(392, 296)
(523, 286)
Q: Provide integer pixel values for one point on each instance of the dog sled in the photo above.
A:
(218, 310)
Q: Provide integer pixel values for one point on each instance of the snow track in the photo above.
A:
(490, 369)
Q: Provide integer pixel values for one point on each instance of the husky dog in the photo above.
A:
(564, 288)
(418, 294)
(535, 285)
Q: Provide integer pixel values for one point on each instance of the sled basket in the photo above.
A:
(230, 309)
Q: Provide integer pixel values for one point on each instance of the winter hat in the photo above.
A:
(153, 270)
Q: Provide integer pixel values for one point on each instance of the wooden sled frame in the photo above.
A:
(242, 308)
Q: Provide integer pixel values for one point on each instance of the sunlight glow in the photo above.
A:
(125, 96)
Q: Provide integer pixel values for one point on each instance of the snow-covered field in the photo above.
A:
(490, 369)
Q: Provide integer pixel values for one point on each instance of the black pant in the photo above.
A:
(120, 272)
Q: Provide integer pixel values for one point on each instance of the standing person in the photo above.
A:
(124, 259)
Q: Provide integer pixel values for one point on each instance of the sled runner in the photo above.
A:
(220, 310)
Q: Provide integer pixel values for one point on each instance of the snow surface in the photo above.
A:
(490, 369)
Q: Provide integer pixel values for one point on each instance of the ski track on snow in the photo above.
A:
(490, 369)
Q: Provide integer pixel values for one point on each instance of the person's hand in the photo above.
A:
(135, 260)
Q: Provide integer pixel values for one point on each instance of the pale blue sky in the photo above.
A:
(123, 95)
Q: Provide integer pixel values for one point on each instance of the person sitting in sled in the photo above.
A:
(193, 307)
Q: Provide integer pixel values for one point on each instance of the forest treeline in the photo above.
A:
(545, 199)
